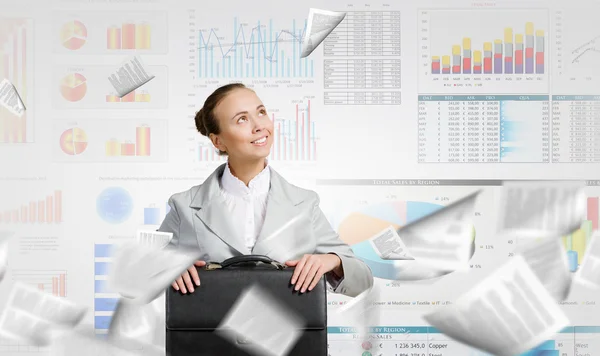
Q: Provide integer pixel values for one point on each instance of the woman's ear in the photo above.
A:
(216, 141)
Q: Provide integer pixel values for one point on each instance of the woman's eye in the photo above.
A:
(242, 118)
(263, 111)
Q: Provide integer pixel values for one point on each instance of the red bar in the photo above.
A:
(24, 214)
(54, 286)
(487, 64)
(62, 286)
(435, 67)
(278, 140)
(32, 212)
(303, 130)
(57, 206)
(519, 56)
(476, 69)
(41, 215)
(456, 69)
(466, 64)
(297, 127)
(445, 70)
(539, 57)
(308, 123)
(592, 212)
(529, 52)
(49, 210)
(285, 148)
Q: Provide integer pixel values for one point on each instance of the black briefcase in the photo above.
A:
(192, 318)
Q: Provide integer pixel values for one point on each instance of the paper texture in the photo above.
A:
(388, 245)
(548, 261)
(508, 313)
(135, 324)
(320, 24)
(4, 238)
(260, 324)
(141, 273)
(589, 271)
(21, 326)
(10, 99)
(443, 239)
(541, 209)
(154, 239)
(131, 75)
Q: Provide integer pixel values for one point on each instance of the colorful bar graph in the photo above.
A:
(514, 54)
(141, 147)
(13, 66)
(133, 97)
(129, 36)
(254, 52)
(576, 243)
(48, 210)
(53, 282)
(105, 301)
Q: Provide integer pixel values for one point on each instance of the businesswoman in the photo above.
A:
(246, 207)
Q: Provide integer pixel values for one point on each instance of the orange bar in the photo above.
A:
(128, 149)
(128, 98)
(128, 36)
(113, 38)
(142, 36)
(49, 217)
(57, 206)
(142, 140)
(41, 215)
(113, 148)
(112, 98)
(32, 212)
(24, 213)
(63, 289)
(54, 286)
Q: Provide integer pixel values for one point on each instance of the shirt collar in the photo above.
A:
(258, 185)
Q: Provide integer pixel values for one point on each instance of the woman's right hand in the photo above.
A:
(188, 278)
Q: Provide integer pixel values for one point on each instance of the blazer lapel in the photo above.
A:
(282, 211)
(212, 212)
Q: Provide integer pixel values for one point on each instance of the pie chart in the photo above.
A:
(73, 35)
(358, 226)
(73, 141)
(73, 87)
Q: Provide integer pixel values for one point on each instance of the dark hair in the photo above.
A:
(206, 122)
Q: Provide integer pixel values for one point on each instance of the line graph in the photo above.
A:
(590, 47)
(255, 50)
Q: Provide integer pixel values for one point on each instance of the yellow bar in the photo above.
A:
(435, 58)
(508, 35)
(539, 33)
(445, 60)
(519, 38)
(529, 28)
(142, 36)
(113, 148)
(477, 56)
(579, 244)
(466, 43)
(456, 50)
(498, 41)
(587, 227)
(487, 46)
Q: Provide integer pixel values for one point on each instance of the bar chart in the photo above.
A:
(16, 64)
(105, 301)
(489, 50)
(46, 210)
(53, 282)
(576, 243)
(110, 32)
(101, 140)
(154, 215)
(254, 50)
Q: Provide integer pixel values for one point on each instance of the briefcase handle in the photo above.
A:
(244, 259)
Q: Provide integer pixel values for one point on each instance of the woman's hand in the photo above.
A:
(186, 278)
(310, 269)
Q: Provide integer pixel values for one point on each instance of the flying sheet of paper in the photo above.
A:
(138, 324)
(141, 273)
(506, 314)
(131, 75)
(10, 99)
(548, 261)
(320, 24)
(589, 271)
(55, 310)
(261, 323)
(155, 239)
(361, 314)
(541, 209)
(443, 239)
(21, 326)
(388, 245)
(4, 238)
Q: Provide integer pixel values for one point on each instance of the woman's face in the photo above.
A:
(246, 129)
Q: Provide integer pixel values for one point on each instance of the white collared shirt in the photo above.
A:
(247, 204)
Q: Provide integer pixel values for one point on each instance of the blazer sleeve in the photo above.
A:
(171, 223)
(357, 275)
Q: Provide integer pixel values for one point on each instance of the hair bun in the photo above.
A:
(200, 122)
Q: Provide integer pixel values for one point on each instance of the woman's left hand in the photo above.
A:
(310, 269)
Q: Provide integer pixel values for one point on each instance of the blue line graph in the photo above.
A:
(259, 54)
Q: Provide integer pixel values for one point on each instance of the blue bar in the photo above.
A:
(282, 59)
(288, 60)
(205, 60)
(234, 47)
(294, 46)
(312, 69)
(229, 60)
(151, 216)
(101, 286)
(102, 250)
(101, 268)
(572, 258)
(264, 50)
(299, 53)
(258, 48)
(271, 47)
(253, 56)
(217, 70)
(102, 322)
(105, 304)
(247, 69)
(576, 97)
(199, 54)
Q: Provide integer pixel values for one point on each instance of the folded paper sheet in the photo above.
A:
(10, 99)
(130, 75)
(320, 24)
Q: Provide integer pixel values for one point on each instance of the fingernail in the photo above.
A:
(183, 291)
(303, 290)
(297, 287)
(191, 290)
(197, 283)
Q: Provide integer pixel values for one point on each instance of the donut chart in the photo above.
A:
(73, 87)
(73, 141)
(73, 35)
(357, 227)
